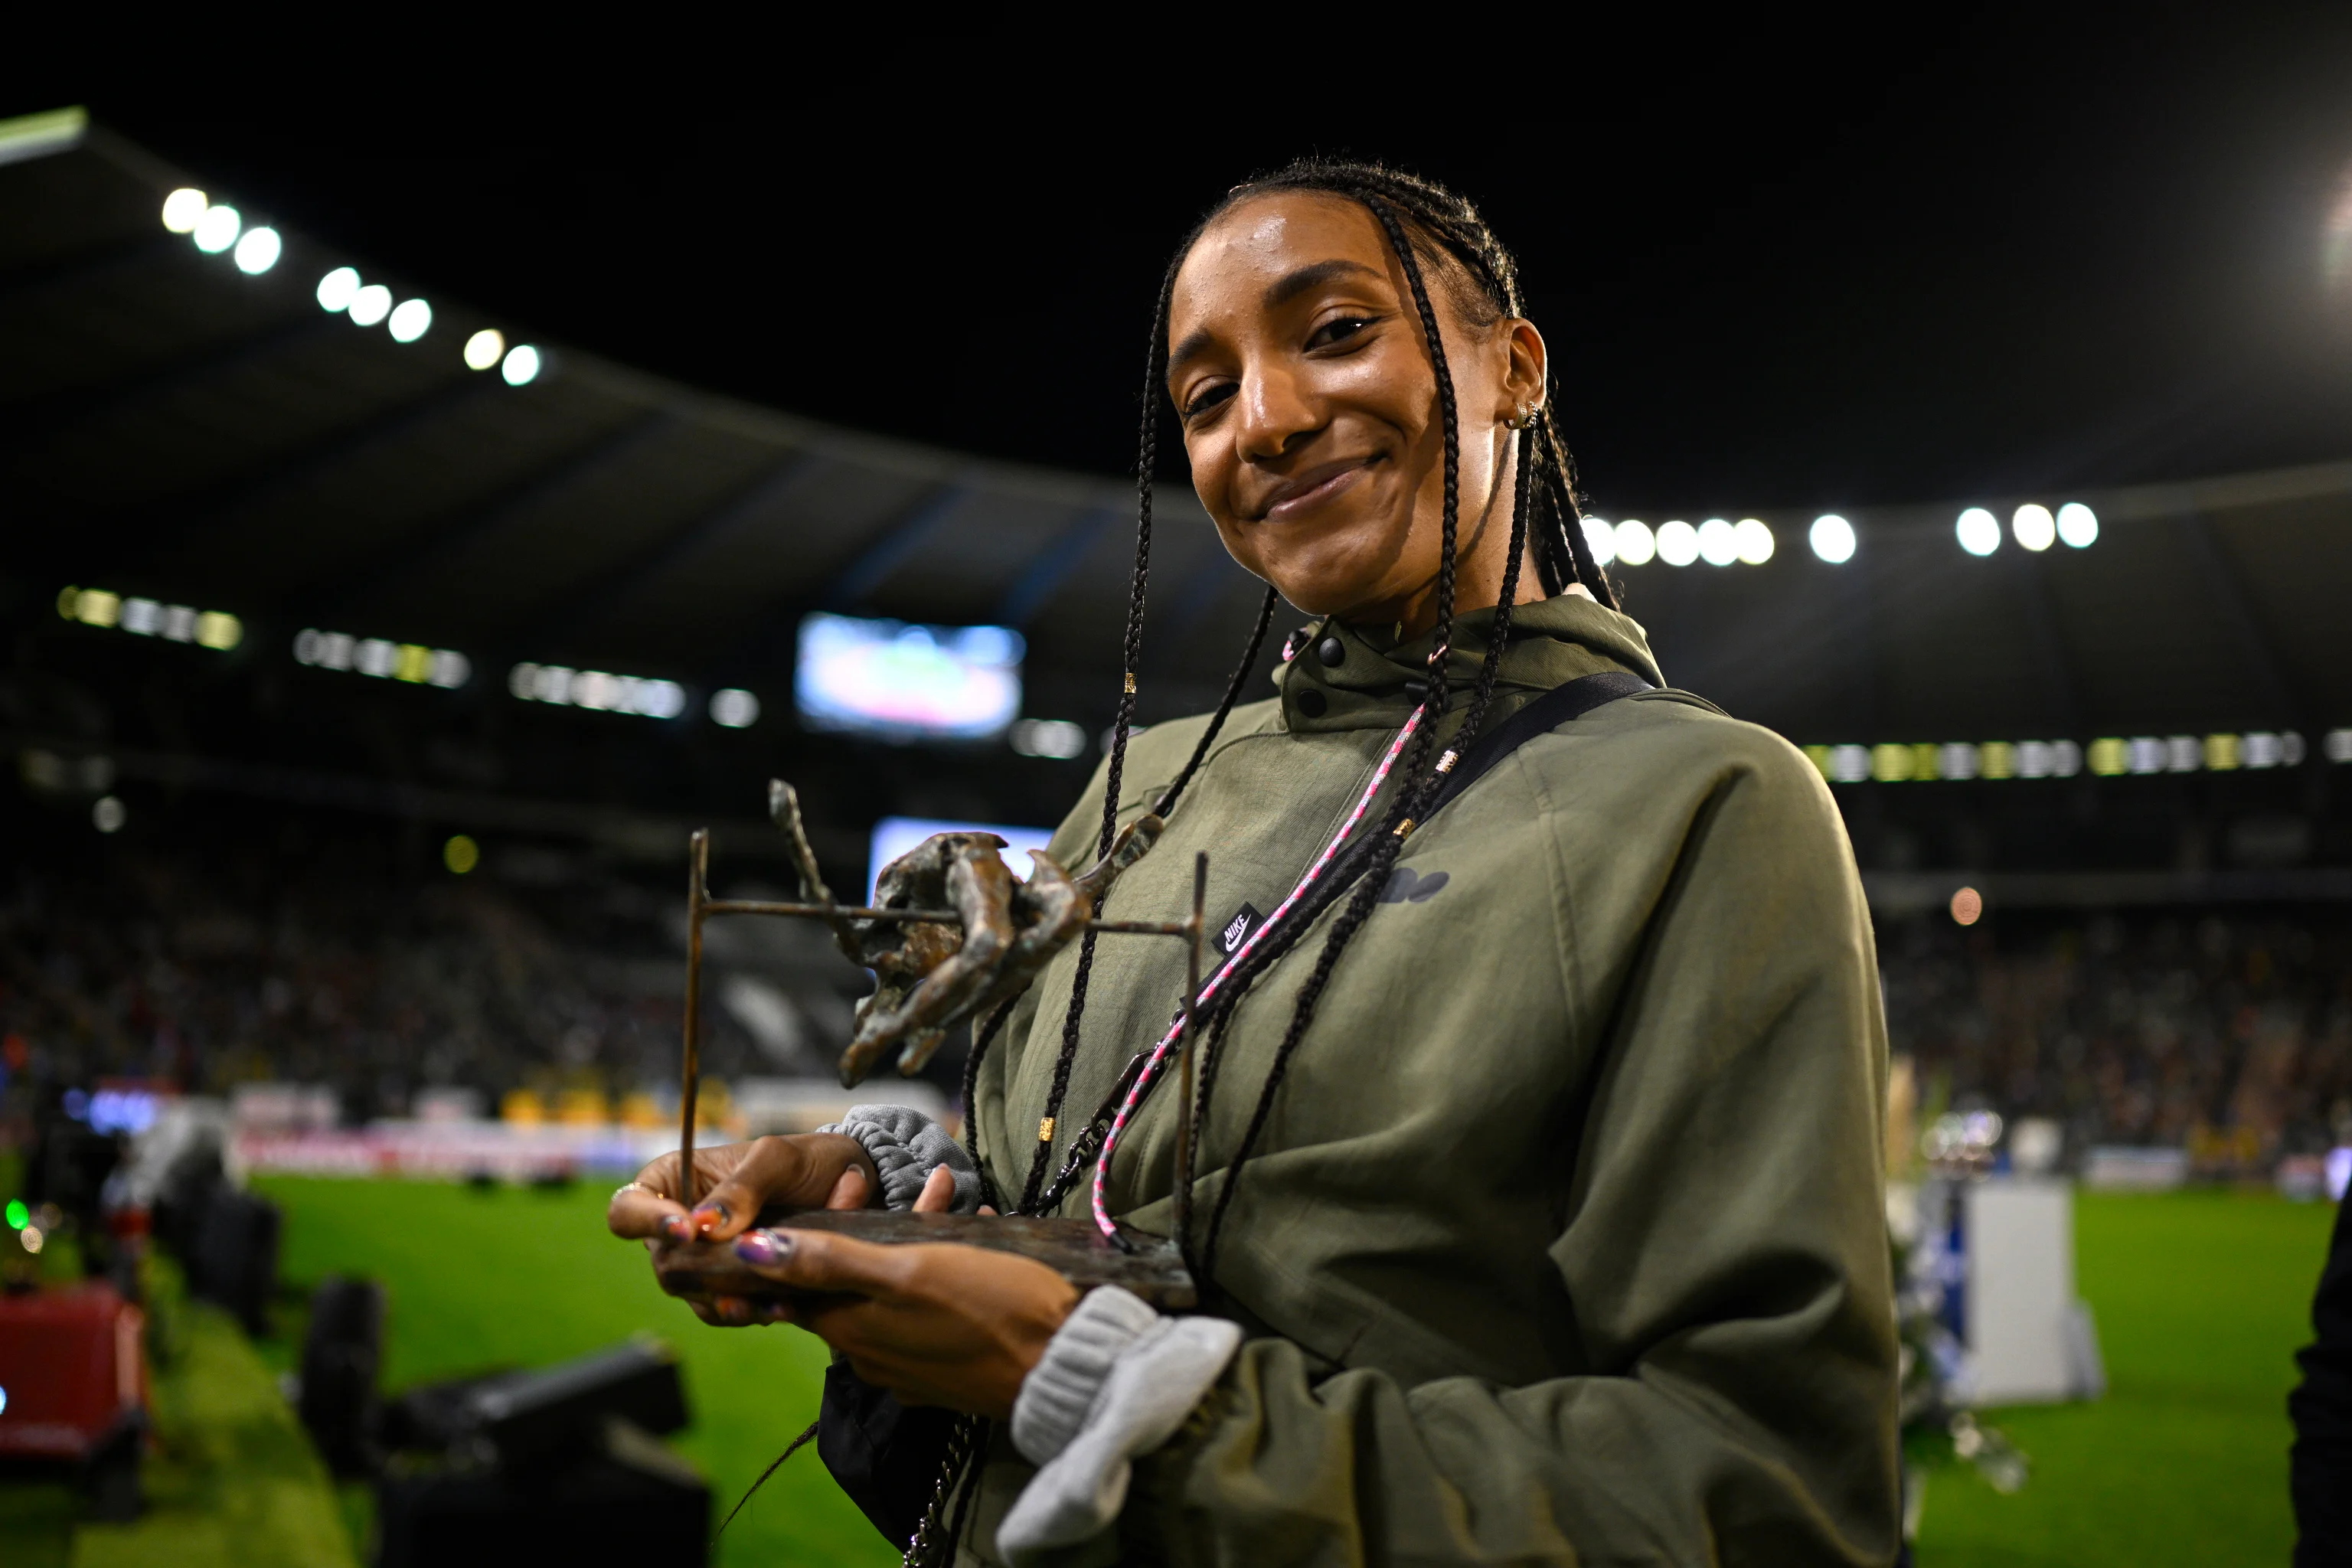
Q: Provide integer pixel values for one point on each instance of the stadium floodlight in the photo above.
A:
(371, 305)
(1601, 538)
(733, 708)
(1979, 532)
(1056, 738)
(2078, 525)
(1636, 545)
(2034, 527)
(1832, 537)
(217, 229)
(184, 209)
(563, 686)
(1678, 543)
(1753, 540)
(258, 252)
(484, 348)
(337, 288)
(521, 366)
(410, 320)
(659, 698)
(1718, 543)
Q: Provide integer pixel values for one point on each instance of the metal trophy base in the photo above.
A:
(1148, 1265)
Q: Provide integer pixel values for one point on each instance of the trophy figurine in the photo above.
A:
(952, 936)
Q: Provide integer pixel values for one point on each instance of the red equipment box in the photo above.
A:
(73, 1373)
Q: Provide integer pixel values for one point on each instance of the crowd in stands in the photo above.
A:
(206, 967)
(2226, 1031)
(336, 961)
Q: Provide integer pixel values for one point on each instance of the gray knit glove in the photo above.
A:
(907, 1146)
(1116, 1381)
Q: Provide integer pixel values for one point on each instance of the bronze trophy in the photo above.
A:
(950, 937)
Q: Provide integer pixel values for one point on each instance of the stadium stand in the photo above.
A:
(2163, 876)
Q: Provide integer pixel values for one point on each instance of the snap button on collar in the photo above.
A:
(1311, 703)
(1332, 652)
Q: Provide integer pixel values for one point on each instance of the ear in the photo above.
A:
(1524, 380)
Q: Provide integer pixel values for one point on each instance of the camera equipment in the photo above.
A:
(74, 1375)
(340, 1354)
(559, 1462)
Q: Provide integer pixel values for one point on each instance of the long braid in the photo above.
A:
(1420, 220)
(980, 1044)
(1466, 241)
(1386, 845)
(1226, 705)
(1490, 669)
(1560, 486)
(1146, 465)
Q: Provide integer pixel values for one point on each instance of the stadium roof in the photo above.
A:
(180, 428)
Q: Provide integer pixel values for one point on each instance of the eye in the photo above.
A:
(1337, 330)
(1207, 397)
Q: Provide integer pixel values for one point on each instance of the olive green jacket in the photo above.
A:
(1565, 1242)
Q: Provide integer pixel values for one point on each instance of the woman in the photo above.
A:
(1539, 1116)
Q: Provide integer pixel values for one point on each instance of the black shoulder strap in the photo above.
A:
(1541, 717)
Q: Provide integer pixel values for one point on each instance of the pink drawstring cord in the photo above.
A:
(1158, 1055)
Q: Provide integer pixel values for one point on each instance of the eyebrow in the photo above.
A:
(1281, 291)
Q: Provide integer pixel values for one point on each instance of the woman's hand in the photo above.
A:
(808, 1169)
(935, 1324)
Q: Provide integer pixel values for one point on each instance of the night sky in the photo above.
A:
(1817, 269)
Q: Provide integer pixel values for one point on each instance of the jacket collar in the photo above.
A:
(1375, 682)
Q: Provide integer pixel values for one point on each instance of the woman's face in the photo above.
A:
(1309, 410)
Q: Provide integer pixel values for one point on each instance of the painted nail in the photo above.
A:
(676, 1227)
(763, 1246)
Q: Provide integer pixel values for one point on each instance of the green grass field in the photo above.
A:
(2202, 1299)
(476, 1279)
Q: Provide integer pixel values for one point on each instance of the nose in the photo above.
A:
(1276, 413)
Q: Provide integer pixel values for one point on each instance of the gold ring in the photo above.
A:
(633, 1187)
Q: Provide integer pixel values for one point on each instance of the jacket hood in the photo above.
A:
(1341, 677)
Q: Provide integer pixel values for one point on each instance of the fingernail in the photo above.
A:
(678, 1227)
(763, 1246)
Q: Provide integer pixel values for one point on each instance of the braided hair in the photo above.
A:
(1430, 229)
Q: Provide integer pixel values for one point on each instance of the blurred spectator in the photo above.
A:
(322, 957)
(2140, 1028)
(207, 968)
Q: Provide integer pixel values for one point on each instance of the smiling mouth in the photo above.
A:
(1290, 501)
